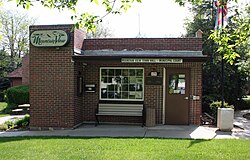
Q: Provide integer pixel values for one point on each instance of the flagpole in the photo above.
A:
(222, 63)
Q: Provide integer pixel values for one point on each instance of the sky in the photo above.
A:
(156, 18)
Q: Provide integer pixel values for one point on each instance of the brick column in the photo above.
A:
(53, 84)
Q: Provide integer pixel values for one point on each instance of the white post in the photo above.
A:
(225, 118)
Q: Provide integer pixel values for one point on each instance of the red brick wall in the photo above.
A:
(188, 44)
(153, 97)
(53, 79)
(16, 81)
(153, 93)
(53, 84)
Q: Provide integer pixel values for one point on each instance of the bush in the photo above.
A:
(10, 124)
(217, 104)
(247, 101)
(3, 127)
(23, 122)
(17, 95)
(242, 104)
(19, 123)
(207, 100)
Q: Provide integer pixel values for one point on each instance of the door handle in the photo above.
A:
(186, 98)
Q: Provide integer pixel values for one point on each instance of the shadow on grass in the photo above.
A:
(197, 141)
(12, 139)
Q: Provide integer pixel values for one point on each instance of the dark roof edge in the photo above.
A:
(101, 58)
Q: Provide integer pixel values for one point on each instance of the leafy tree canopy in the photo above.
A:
(87, 20)
(14, 33)
(236, 75)
(233, 38)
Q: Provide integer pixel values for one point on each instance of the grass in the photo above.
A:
(247, 100)
(3, 105)
(4, 115)
(58, 148)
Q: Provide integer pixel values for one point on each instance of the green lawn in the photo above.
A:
(4, 115)
(3, 105)
(247, 100)
(56, 148)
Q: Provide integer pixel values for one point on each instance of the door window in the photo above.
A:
(176, 84)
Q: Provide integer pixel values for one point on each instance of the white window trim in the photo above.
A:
(106, 99)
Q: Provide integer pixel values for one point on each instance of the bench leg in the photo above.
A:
(142, 121)
(97, 120)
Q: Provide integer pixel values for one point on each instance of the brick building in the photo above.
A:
(20, 76)
(69, 81)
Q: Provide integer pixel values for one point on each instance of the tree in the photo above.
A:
(14, 33)
(101, 31)
(5, 67)
(204, 19)
(233, 39)
(88, 21)
(235, 75)
(5, 63)
(14, 43)
(84, 20)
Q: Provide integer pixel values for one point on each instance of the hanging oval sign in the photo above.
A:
(49, 38)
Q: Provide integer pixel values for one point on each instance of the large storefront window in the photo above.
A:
(121, 84)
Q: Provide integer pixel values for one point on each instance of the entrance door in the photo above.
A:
(177, 96)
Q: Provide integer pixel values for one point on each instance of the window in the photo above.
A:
(121, 84)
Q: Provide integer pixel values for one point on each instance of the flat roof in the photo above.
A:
(140, 53)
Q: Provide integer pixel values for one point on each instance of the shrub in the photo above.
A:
(247, 101)
(10, 124)
(23, 122)
(3, 127)
(207, 100)
(242, 104)
(17, 95)
(217, 104)
(19, 123)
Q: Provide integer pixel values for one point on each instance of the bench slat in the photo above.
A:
(121, 105)
(119, 114)
(120, 110)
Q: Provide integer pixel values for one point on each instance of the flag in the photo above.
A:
(221, 15)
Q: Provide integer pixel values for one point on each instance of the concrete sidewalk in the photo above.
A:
(160, 131)
(243, 123)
